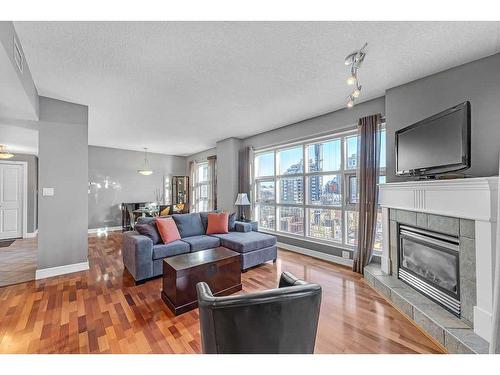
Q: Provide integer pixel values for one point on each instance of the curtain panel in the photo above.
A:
(244, 177)
(212, 183)
(192, 181)
(367, 178)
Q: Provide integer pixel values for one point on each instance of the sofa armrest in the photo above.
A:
(137, 253)
(241, 226)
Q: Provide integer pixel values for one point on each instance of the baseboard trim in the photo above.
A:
(31, 234)
(61, 270)
(316, 254)
(104, 229)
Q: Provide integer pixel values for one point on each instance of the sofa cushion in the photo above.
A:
(189, 224)
(148, 230)
(245, 242)
(146, 220)
(204, 220)
(230, 222)
(241, 226)
(161, 251)
(202, 242)
(217, 223)
(168, 230)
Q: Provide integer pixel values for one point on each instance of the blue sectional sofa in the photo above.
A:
(143, 258)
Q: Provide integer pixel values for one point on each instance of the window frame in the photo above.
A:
(306, 205)
(197, 186)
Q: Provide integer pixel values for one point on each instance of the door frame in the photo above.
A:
(24, 189)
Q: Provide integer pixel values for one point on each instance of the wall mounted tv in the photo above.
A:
(436, 145)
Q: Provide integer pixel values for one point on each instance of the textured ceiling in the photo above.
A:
(178, 87)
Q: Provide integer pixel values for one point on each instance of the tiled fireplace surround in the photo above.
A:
(465, 208)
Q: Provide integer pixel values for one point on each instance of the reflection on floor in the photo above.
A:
(18, 262)
(102, 311)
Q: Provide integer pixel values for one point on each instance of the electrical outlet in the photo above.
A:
(346, 254)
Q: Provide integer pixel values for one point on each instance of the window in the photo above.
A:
(264, 164)
(316, 199)
(290, 161)
(200, 187)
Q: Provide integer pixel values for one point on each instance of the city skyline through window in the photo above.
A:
(316, 200)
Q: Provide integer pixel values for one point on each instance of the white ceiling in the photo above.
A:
(19, 140)
(178, 87)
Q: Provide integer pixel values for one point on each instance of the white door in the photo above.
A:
(11, 200)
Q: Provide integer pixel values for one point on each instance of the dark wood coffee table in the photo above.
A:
(220, 268)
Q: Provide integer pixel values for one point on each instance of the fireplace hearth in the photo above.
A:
(429, 262)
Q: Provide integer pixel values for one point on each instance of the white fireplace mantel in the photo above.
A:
(469, 198)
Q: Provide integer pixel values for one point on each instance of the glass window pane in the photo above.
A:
(291, 190)
(265, 191)
(325, 190)
(202, 172)
(291, 220)
(351, 154)
(266, 216)
(290, 161)
(377, 245)
(203, 191)
(353, 190)
(324, 156)
(325, 224)
(381, 179)
(202, 206)
(382, 149)
(352, 227)
(264, 164)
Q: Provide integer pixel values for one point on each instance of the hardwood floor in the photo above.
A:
(102, 311)
(18, 262)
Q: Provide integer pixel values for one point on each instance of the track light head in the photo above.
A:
(350, 101)
(351, 80)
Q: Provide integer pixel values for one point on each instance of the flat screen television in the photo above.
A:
(436, 145)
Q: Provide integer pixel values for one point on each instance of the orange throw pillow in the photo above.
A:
(217, 223)
(168, 230)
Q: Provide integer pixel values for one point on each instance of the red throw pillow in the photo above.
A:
(168, 230)
(217, 223)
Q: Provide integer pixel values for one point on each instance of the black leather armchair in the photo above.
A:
(276, 321)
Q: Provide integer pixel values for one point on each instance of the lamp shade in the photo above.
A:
(242, 200)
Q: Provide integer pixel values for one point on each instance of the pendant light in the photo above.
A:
(146, 170)
(4, 154)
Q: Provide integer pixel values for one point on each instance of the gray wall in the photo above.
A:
(7, 36)
(113, 179)
(63, 165)
(316, 126)
(227, 173)
(200, 156)
(32, 198)
(478, 82)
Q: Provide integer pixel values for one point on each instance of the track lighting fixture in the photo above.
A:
(354, 60)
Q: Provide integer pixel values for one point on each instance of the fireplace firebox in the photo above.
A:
(429, 262)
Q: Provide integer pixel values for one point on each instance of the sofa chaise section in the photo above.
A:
(246, 241)
(255, 247)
